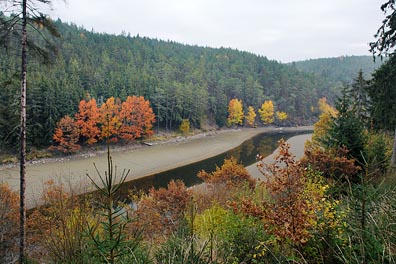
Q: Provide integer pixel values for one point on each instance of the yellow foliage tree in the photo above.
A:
(235, 112)
(324, 107)
(251, 115)
(267, 112)
(281, 116)
(185, 127)
(323, 124)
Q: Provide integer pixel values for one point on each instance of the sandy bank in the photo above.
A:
(142, 161)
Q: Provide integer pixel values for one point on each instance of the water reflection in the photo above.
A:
(265, 144)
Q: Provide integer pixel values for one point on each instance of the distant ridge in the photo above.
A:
(338, 70)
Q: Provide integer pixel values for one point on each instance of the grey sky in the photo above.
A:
(283, 30)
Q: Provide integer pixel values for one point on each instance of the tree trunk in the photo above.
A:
(393, 161)
(23, 136)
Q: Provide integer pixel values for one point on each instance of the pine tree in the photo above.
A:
(26, 16)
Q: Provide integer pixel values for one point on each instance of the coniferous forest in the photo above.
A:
(180, 82)
(337, 204)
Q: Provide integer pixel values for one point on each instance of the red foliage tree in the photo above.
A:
(161, 210)
(137, 118)
(87, 120)
(109, 118)
(66, 135)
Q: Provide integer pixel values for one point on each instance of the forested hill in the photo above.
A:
(340, 70)
(180, 81)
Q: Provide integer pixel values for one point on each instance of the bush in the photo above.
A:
(9, 224)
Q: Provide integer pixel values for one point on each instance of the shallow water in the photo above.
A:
(149, 161)
(264, 144)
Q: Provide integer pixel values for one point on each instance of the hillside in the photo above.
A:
(180, 81)
(340, 70)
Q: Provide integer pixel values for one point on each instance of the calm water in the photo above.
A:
(265, 144)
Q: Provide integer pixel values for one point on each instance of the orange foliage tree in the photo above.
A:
(137, 118)
(109, 118)
(66, 135)
(231, 173)
(9, 218)
(235, 112)
(286, 211)
(129, 120)
(57, 228)
(87, 120)
(161, 210)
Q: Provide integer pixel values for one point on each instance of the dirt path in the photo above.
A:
(141, 161)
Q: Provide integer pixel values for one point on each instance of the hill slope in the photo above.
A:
(180, 81)
(336, 71)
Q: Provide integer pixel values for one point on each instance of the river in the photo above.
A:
(146, 163)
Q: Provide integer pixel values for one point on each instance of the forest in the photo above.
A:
(335, 205)
(180, 82)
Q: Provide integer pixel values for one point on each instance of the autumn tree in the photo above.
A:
(251, 116)
(66, 135)
(87, 120)
(160, 212)
(231, 173)
(281, 116)
(137, 118)
(267, 112)
(185, 127)
(321, 127)
(324, 107)
(235, 112)
(9, 224)
(109, 118)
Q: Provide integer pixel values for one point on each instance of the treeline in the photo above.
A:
(180, 81)
(112, 121)
(341, 70)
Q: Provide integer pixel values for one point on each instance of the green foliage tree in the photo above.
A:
(382, 93)
(346, 130)
(108, 236)
(386, 36)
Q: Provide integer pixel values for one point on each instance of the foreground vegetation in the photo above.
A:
(330, 207)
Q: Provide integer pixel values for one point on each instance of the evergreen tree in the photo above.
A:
(382, 93)
(357, 93)
(17, 26)
(346, 130)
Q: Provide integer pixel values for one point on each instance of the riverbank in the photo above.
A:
(142, 161)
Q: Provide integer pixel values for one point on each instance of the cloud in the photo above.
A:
(283, 30)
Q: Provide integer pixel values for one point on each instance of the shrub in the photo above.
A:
(9, 219)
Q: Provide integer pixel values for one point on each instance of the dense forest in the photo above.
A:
(335, 205)
(341, 70)
(179, 81)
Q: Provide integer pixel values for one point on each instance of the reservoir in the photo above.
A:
(264, 144)
(154, 166)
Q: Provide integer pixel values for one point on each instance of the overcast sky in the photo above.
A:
(283, 30)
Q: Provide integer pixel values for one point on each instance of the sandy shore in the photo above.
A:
(142, 161)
